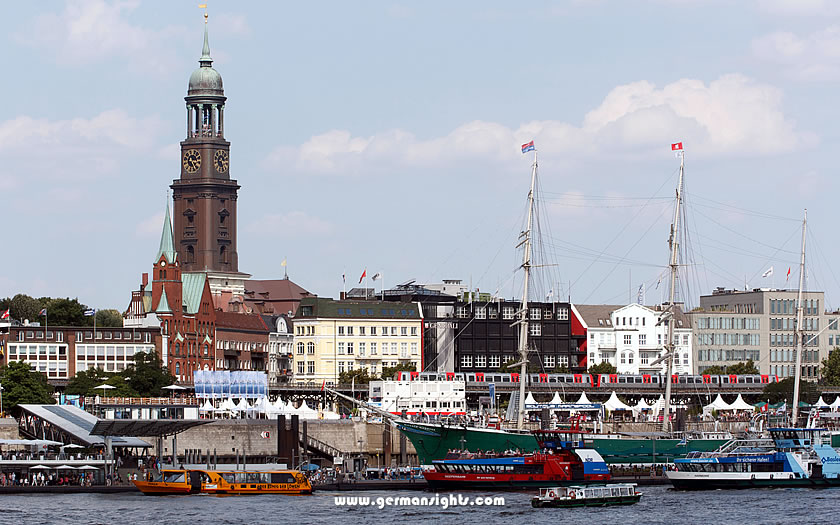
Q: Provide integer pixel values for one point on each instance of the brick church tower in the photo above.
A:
(205, 196)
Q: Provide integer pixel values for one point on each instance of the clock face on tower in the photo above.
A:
(221, 161)
(192, 160)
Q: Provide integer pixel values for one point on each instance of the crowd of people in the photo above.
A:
(39, 479)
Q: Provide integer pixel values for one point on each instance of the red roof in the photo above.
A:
(240, 321)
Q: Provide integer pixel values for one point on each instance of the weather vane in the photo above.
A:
(204, 6)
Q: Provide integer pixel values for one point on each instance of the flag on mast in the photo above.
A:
(676, 146)
(768, 273)
(364, 274)
(90, 312)
(788, 275)
(377, 275)
(5, 314)
(43, 311)
(528, 147)
(283, 262)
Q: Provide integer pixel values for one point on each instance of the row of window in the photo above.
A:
(788, 306)
(85, 336)
(716, 354)
(788, 355)
(789, 323)
(403, 331)
(728, 323)
(729, 339)
(509, 312)
(790, 370)
(790, 340)
(495, 361)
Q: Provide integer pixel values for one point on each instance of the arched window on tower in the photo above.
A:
(177, 369)
(190, 253)
(223, 255)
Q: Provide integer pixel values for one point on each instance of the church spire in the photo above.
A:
(167, 244)
(205, 59)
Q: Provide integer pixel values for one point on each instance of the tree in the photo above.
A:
(358, 376)
(65, 311)
(388, 372)
(22, 385)
(783, 391)
(561, 369)
(715, 370)
(146, 375)
(109, 318)
(830, 371)
(24, 307)
(84, 381)
(602, 368)
(742, 368)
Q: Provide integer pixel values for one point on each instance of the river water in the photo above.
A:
(658, 505)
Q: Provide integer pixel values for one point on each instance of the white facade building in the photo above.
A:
(631, 338)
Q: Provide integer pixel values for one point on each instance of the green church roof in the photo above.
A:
(192, 288)
(167, 242)
(163, 304)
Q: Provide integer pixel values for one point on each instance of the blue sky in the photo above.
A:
(385, 135)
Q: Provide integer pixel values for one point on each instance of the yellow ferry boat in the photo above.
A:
(198, 481)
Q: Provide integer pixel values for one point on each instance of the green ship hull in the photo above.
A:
(434, 441)
(646, 450)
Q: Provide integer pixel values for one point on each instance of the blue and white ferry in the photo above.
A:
(792, 457)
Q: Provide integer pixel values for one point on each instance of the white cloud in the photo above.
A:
(812, 57)
(733, 115)
(89, 31)
(82, 147)
(290, 225)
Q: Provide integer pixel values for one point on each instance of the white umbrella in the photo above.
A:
(87, 467)
(174, 387)
(104, 387)
(72, 445)
(39, 467)
(64, 467)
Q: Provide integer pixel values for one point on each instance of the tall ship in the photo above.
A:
(792, 457)
(560, 460)
(433, 440)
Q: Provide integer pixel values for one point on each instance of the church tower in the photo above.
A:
(205, 196)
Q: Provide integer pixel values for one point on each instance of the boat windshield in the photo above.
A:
(174, 477)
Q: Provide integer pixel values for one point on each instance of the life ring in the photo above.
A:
(572, 495)
(551, 494)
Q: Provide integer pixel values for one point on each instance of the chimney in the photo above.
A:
(144, 282)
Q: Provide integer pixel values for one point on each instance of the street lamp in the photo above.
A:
(1, 400)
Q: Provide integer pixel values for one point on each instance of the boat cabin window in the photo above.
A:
(282, 477)
(174, 477)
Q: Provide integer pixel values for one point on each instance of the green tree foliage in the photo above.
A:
(561, 369)
(23, 307)
(783, 391)
(60, 311)
(830, 371)
(742, 368)
(83, 382)
(65, 312)
(602, 368)
(146, 375)
(109, 318)
(388, 372)
(22, 385)
(358, 376)
(737, 369)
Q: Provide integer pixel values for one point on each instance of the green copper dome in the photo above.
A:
(205, 80)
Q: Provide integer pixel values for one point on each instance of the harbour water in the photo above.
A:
(658, 505)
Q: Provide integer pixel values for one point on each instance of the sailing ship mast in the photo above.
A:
(523, 312)
(799, 335)
(669, 345)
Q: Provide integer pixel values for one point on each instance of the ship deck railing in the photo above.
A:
(738, 447)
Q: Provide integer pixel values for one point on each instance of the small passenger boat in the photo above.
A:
(588, 496)
(200, 481)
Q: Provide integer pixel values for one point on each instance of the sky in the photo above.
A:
(386, 136)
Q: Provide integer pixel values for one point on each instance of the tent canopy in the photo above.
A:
(583, 400)
(740, 404)
(718, 404)
(614, 403)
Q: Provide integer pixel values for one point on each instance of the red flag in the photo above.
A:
(676, 146)
(788, 274)
(323, 385)
(364, 274)
(5, 314)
